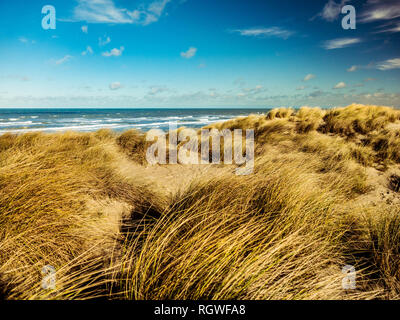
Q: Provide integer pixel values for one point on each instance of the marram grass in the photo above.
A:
(87, 204)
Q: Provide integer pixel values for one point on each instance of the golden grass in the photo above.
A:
(309, 119)
(359, 119)
(56, 194)
(133, 144)
(280, 113)
(74, 201)
(266, 238)
(386, 144)
(384, 242)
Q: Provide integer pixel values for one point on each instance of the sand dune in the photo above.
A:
(324, 194)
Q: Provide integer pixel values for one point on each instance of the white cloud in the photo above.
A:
(100, 11)
(190, 53)
(377, 10)
(88, 50)
(379, 94)
(340, 85)
(155, 90)
(105, 41)
(106, 11)
(389, 64)
(135, 15)
(266, 32)
(114, 52)
(390, 27)
(254, 91)
(17, 77)
(301, 88)
(84, 29)
(331, 10)
(239, 82)
(309, 77)
(63, 60)
(115, 86)
(157, 7)
(150, 14)
(25, 40)
(352, 69)
(393, 29)
(340, 43)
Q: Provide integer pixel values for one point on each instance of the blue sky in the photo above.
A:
(198, 53)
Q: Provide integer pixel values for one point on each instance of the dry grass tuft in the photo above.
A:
(133, 144)
(281, 113)
(268, 237)
(308, 119)
(358, 119)
(50, 188)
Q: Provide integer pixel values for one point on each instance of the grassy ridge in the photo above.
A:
(79, 202)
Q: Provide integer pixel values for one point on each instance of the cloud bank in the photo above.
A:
(265, 32)
(106, 11)
(340, 43)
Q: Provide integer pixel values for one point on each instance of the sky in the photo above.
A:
(198, 53)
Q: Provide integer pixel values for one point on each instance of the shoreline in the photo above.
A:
(117, 120)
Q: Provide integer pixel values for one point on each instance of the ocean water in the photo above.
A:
(58, 120)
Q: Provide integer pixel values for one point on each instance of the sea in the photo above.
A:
(58, 120)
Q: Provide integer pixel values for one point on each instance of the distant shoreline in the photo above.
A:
(89, 120)
(52, 120)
